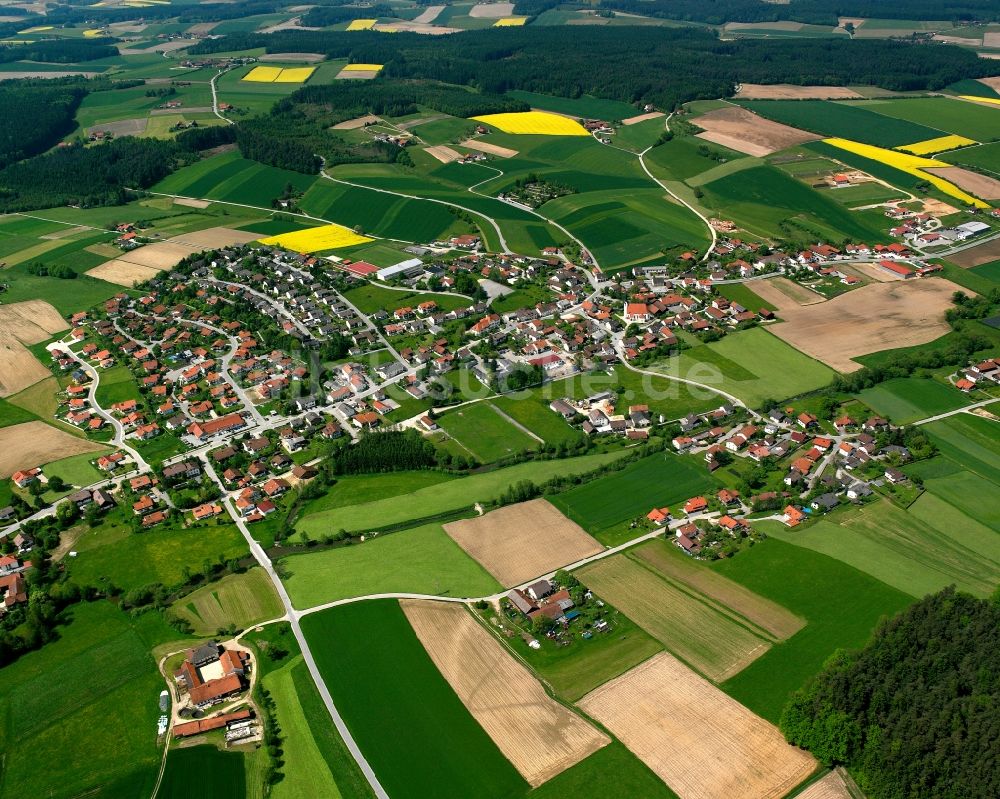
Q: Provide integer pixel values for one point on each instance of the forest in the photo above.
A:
(815, 12)
(36, 116)
(59, 51)
(667, 66)
(913, 713)
(297, 129)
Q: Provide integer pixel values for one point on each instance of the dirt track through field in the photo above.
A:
(539, 736)
(876, 317)
(787, 91)
(21, 324)
(24, 446)
(712, 641)
(520, 542)
(701, 742)
(767, 615)
(745, 132)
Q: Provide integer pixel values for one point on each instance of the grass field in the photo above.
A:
(965, 491)
(448, 496)
(655, 481)
(376, 669)
(611, 771)
(46, 709)
(743, 293)
(11, 414)
(986, 157)
(355, 489)
(907, 399)
(370, 298)
(538, 418)
(203, 772)
(485, 433)
(840, 604)
(306, 773)
(903, 548)
(422, 560)
(241, 600)
(751, 364)
(111, 553)
(116, 385)
(848, 121)
(705, 637)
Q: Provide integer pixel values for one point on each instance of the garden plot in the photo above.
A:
(699, 741)
(748, 133)
(520, 542)
(876, 317)
(30, 444)
(539, 736)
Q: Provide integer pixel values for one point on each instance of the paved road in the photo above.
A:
(265, 562)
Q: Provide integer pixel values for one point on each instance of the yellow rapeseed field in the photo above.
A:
(263, 74)
(993, 100)
(93, 32)
(362, 24)
(295, 75)
(314, 239)
(362, 68)
(510, 22)
(938, 145)
(911, 164)
(537, 122)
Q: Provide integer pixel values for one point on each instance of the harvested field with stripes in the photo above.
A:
(698, 740)
(541, 737)
(706, 637)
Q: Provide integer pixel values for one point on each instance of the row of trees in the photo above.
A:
(913, 713)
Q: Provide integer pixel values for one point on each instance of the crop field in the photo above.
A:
(762, 198)
(237, 599)
(753, 365)
(953, 116)
(702, 743)
(841, 606)
(623, 228)
(111, 553)
(744, 294)
(620, 496)
(842, 120)
(447, 496)
(876, 317)
(911, 164)
(363, 68)
(971, 441)
(232, 178)
(376, 669)
(361, 24)
(46, 710)
(830, 787)
(484, 433)
(538, 418)
(901, 548)
(740, 130)
(203, 772)
(611, 771)
(538, 123)
(965, 490)
(907, 399)
(421, 560)
(23, 324)
(984, 157)
(279, 74)
(326, 237)
(706, 637)
(378, 213)
(540, 736)
(519, 542)
(673, 565)
(938, 145)
(510, 22)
